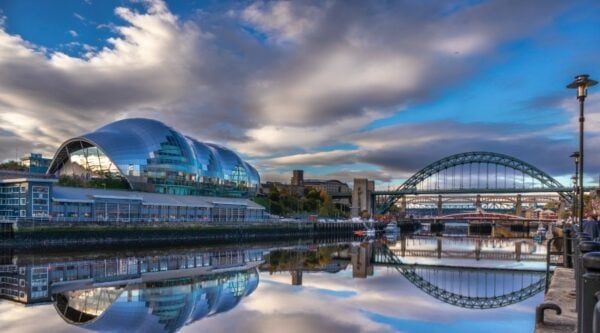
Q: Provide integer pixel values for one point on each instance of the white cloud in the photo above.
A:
(288, 21)
(316, 159)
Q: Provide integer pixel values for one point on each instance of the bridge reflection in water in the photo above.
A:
(465, 287)
(165, 292)
(469, 248)
(470, 283)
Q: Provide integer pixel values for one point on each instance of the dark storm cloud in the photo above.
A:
(392, 56)
(407, 160)
(401, 150)
(410, 147)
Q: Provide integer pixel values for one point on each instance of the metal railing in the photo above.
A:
(582, 253)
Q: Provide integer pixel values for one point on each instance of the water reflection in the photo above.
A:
(218, 289)
(154, 306)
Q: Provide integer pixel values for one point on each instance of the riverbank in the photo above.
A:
(84, 234)
(560, 293)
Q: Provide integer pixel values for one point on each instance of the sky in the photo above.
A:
(341, 89)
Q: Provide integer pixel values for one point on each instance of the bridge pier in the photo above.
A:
(518, 250)
(403, 246)
(296, 277)
(439, 248)
(478, 203)
(403, 206)
(519, 206)
(361, 258)
(439, 205)
(478, 249)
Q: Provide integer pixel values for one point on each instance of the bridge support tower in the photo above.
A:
(403, 206)
(362, 198)
(519, 206)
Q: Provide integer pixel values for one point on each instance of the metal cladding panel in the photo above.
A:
(155, 157)
(209, 165)
(226, 301)
(126, 316)
(139, 142)
(253, 279)
(230, 161)
(201, 308)
(253, 176)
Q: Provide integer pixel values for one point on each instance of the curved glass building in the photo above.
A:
(153, 157)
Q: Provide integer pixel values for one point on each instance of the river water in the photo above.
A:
(295, 286)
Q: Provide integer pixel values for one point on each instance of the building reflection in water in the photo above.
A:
(147, 294)
(163, 293)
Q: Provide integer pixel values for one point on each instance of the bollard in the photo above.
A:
(567, 248)
(596, 326)
(579, 237)
(589, 288)
(583, 248)
(539, 311)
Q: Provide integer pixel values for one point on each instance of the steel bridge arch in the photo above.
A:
(468, 302)
(472, 158)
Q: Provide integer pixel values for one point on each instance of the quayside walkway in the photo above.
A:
(560, 293)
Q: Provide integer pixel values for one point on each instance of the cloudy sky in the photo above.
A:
(338, 88)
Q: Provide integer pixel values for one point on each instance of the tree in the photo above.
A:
(12, 165)
(365, 214)
(327, 208)
(551, 205)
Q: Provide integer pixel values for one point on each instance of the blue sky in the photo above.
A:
(388, 87)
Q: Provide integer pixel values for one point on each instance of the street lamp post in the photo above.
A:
(575, 178)
(581, 83)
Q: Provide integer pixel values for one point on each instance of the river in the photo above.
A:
(406, 285)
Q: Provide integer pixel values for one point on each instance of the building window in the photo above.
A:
(40, 201)
(23, 189)
(23, 202)
(23, 213)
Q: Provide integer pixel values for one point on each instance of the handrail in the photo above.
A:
(548, 255)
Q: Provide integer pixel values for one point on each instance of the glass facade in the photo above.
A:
(156, 158)
(38, 199)
(11, 200)
(138, 211)
(21, 197)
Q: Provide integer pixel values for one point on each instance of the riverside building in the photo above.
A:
(167, 177)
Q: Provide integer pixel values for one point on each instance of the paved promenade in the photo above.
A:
(560, 292)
